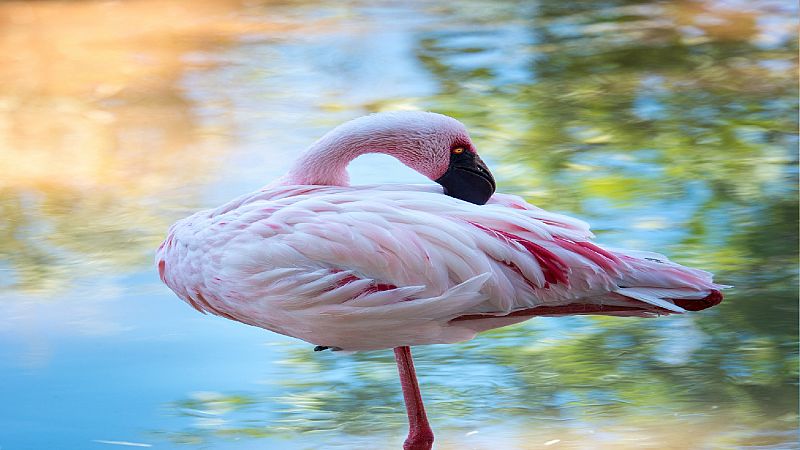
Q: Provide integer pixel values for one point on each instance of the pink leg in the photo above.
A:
(420, 435)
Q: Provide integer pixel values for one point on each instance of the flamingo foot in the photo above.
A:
(420, 435)
(419, 441)
(320, 348)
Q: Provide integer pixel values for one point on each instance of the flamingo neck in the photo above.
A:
(416, 139)
(326, 161)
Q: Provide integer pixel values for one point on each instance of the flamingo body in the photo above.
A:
(374, 267)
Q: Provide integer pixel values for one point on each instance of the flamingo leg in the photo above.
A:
(420, 435)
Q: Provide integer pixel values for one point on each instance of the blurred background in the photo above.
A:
(670, 126)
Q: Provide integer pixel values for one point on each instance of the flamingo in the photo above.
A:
(375, 267)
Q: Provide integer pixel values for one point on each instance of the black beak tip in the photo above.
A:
(474, 186)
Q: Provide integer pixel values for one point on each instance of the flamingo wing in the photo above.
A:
(372, 267)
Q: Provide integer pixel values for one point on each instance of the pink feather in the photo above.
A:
(371, 267)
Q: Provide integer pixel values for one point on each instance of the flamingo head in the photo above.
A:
(434, 145)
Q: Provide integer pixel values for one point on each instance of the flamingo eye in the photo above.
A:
(458, 150)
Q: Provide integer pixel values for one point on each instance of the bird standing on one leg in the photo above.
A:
(391, 266)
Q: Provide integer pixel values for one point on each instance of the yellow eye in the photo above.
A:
(458, 150)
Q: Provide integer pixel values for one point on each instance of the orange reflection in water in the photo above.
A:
(94, 125)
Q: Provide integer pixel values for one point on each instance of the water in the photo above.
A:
(669, 126)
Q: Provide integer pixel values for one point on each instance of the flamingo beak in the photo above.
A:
(467, 178)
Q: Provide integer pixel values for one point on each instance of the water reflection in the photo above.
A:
(667, 125)
(93, 125)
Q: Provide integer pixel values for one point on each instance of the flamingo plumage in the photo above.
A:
(393, 266)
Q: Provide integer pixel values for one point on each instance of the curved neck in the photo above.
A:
(325, 162)
(416, 139)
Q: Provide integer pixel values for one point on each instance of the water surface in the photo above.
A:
(670, 126)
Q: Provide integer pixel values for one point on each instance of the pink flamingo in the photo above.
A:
(392, 266)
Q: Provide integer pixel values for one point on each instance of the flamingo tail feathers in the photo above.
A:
(672, 288)
(674, 300)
